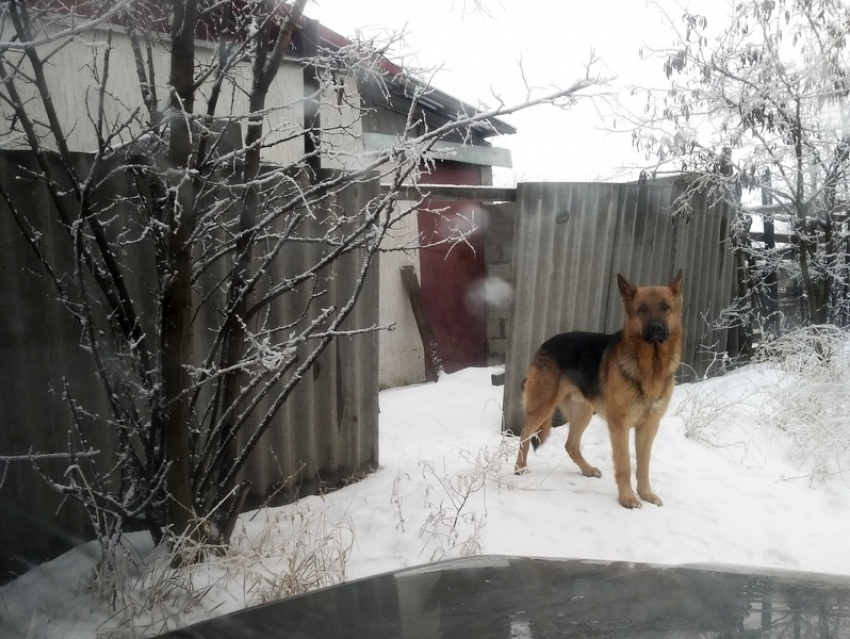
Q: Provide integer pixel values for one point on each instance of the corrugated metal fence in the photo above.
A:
(326, 432)
(572, 239)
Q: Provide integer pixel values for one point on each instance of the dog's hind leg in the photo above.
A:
(579, 414)
(539, 399)
(536, 426)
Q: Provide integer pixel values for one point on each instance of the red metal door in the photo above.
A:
(450, 271)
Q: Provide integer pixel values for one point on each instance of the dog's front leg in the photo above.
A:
(644, 436)
(619, 432)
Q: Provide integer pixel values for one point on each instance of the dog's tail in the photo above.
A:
(535, 440)
(539, 438)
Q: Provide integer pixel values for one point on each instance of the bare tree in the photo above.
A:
(199, 225)
(760, 103)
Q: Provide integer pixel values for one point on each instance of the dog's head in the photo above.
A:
(653, 312)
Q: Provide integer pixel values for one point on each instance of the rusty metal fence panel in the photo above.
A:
(326, 433)
(571, 239)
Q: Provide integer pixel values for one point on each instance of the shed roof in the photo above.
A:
(402, 84)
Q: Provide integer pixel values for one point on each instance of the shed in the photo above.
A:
(450, 275)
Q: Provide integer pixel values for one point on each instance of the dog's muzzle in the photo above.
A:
(655, 332)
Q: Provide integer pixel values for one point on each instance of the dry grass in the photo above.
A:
(803, 404)
(812, 409)
(455, 502)
(286, 552)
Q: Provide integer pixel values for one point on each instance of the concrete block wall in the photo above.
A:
(498, 253)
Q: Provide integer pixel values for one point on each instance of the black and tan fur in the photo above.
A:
(627, 377)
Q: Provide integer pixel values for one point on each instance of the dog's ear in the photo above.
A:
(675, 284)
(627, 289)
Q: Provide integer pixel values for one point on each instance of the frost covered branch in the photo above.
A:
(210, 233)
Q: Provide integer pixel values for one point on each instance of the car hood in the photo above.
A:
(500, 597)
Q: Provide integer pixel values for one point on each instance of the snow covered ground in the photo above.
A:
(745, 479)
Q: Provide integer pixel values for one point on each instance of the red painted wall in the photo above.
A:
(451, 271)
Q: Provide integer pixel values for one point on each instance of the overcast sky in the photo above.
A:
(482, 52)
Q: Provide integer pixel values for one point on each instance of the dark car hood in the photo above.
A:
(523, 598)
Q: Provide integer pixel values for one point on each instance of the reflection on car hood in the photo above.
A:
(523, 598)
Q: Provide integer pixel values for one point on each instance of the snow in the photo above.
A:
(738, 488)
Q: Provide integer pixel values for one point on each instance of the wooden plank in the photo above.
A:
(433, 363)
(778, 238)
(454, 192)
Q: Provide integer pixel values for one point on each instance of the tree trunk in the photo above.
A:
(266, 66)
(771, 279)
(176, 274)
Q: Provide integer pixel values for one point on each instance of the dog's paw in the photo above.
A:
(591, 471)
(651, 497)
(521, 471)
(630, 500)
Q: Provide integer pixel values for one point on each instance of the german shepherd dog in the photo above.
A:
(627, 377)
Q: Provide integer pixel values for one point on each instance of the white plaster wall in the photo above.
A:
(341, 113)
(401, 359)
(75, 72)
